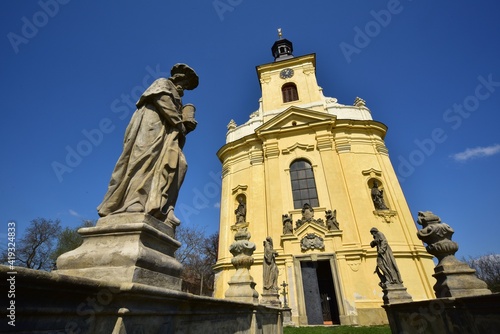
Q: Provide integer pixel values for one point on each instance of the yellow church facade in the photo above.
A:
(315, 176)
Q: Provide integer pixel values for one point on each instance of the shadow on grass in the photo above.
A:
(338, 330)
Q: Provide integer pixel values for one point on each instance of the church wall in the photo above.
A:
(304, 79)
(347, 156)
(261, 172)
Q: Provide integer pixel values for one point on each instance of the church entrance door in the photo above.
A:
(319, 293)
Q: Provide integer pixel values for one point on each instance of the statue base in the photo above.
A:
(395, 294)
(270, 298)
(126, 248)
(456, 279)
(242, 290)
(287, 316)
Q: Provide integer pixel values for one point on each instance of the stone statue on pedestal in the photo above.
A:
(152, 166)
(270, 267)
(134, 240)
(386, 269)
(270, 295)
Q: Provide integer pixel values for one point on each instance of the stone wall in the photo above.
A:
(54, 303)
(476, 314)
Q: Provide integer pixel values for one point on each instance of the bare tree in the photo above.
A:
(211, 248)
(69, 239)
(487, 269)
(197, 254)
(37, 244)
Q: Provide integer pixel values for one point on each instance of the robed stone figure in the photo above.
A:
(378, 197)
(152, 166)
(387, 268)
(270, 267)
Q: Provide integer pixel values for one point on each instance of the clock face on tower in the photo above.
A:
(286, 73)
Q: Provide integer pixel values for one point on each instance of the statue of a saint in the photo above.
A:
(287, 224)
(151, 168)
(241, 211)
(386, 269)
(270, 267)
(378, 197)
(331, 220)
(307, 213)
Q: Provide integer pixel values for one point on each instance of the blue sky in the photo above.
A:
(70, 69)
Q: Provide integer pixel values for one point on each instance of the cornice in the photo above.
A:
(292, 62)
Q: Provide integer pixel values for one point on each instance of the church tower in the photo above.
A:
(315, 176)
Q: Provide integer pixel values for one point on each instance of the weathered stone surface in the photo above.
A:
(54, 303)
(386, 269)
(331, 220)
(287, 316)
(242, 286)
(395, 293)
(475, 314)
(270, 299)
(378, 197)
(454, 278)
(126, 248)
(152, 166)
(287, 224)
(270, 270)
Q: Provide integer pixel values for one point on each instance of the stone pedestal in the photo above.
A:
(456, 279)
(395, 293)
(270, 298)
(242, 286)
(287, 316)
(476, 314)
(52, 303)
(126, 248)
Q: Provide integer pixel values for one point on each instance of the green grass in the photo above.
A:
(337, 330)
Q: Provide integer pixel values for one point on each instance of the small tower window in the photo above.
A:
(303, 184)
(289, 92)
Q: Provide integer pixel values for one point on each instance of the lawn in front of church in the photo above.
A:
(338, 330)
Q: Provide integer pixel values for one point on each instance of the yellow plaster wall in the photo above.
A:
(304, 78)
(345, 155)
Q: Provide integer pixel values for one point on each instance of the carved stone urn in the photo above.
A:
(242, 285)
(454, 278)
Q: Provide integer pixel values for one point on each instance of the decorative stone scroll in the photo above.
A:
(312, 241)
(387, 215)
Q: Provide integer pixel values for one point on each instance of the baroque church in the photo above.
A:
(315, 176)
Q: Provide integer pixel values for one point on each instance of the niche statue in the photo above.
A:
(152, 166)
(241, 211)
(378, 197)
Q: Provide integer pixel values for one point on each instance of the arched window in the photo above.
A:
(289, 92)
(303, 184)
